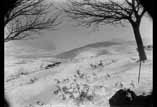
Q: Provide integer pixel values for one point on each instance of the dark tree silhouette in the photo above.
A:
(24, 17)
(96, 12)
(148, 5)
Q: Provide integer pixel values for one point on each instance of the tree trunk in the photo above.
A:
(140, 46)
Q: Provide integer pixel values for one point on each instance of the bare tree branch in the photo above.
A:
(28, 16)
(88, 11)
(99, 12)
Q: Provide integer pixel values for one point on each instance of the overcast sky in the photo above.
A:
(68, 37)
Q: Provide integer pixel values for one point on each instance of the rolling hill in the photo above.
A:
(90, 47)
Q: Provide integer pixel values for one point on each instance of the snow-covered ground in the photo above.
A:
(29, 84)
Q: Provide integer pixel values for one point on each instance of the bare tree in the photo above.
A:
(97, 12)
(24, 17)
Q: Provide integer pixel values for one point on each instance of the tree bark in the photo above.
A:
(140, 46)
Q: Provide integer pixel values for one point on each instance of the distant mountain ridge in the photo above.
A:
(72, 53)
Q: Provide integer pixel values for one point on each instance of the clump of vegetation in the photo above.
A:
(39, 103)
(94, 66)
(74, 89)
(32, 80)
(52, 65)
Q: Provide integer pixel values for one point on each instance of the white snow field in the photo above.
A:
(28, 83)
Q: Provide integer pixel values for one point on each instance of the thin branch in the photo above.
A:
(28, 17)
(92, 12)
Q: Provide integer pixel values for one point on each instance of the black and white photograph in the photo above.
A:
(78, 53)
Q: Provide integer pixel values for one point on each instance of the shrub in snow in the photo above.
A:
(119, 84)
(95, 66)
(77, 92)
(23, 73)
(52, 65)
(32, 80)
(101, 63)
(40, 103)
(80, 89)
(74, 89)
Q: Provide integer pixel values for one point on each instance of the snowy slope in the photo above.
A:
(104, 74)
(95, 46)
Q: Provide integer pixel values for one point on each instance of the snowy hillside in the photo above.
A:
(98, 72)
(95, 46)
